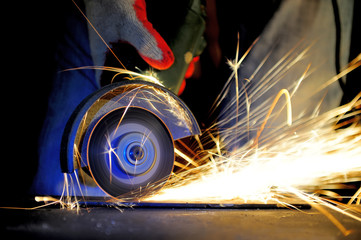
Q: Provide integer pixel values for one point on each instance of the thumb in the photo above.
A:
(148, 42)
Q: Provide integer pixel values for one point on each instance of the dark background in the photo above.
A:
(30, 30)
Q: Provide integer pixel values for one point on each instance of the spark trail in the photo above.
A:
(293, 159)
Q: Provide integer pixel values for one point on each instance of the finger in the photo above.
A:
(149, 43)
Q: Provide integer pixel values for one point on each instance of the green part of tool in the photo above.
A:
(188, 43)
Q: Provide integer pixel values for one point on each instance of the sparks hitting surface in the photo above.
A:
(299, 155)
(296, 158)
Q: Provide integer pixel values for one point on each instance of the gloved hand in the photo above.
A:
(126, 21)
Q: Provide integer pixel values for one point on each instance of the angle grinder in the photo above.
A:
(120, 139)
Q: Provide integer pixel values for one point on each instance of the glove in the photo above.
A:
(126, 21)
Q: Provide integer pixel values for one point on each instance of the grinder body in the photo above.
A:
(119, 140)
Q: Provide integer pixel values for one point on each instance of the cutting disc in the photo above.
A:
(130, 151)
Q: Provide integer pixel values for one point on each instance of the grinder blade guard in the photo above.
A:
(120, 138)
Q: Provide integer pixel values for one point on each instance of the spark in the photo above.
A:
(355, 63)
(289, 111)
(130, 75)
(296, 157)
(67, 200)
(185, 157)
(99, 35)
(109, 152)
(125, 112)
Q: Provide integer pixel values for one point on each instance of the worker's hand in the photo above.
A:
(126, 20)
